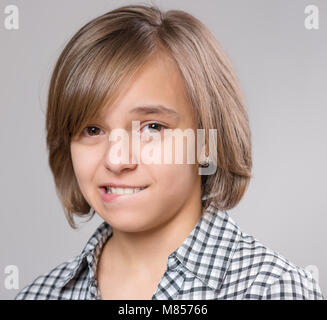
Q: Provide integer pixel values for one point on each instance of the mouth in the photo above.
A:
(122, 191)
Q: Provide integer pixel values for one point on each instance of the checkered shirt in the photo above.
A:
(216, 261)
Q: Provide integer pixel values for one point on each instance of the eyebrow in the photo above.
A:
(156, 109)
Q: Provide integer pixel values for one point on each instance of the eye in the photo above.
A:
(91, 131)
(155, 126)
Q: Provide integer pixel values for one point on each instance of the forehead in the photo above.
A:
(157, 88)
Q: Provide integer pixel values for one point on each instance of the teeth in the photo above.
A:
(123, 191)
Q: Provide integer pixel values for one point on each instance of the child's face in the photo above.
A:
(171, 188)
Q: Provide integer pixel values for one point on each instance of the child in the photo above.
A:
(166, 233)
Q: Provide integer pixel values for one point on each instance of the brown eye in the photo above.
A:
(91, 131)
(155, 126)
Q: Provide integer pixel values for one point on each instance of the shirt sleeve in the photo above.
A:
(294, 285)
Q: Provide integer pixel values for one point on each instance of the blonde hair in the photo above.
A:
(106, 53)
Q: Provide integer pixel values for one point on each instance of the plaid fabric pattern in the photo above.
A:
(216, 261)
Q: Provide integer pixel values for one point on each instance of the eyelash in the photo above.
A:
(88, 127)
(149, 124)
(158, 124)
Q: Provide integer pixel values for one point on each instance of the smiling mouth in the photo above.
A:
(122, 191)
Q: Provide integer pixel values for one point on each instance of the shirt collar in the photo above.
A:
(206, 252)
(90, 254)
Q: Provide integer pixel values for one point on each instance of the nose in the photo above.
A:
(119, 155)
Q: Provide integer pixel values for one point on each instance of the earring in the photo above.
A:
(205, 163)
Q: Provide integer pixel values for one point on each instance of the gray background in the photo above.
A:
(282, 68)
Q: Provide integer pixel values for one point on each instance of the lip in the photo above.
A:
(109, 197)
(116, 185)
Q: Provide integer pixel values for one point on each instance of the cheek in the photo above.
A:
(175, 180)
(84, 163)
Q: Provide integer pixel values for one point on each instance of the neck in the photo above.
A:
(148, 250)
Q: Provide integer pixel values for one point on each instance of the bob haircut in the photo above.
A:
(105, 54)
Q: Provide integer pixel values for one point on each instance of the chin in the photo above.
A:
(129, 221)
(131, 228)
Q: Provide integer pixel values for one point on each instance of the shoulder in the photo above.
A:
(235, 265)
(70, 279)
(48, 286)
(269, 275)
